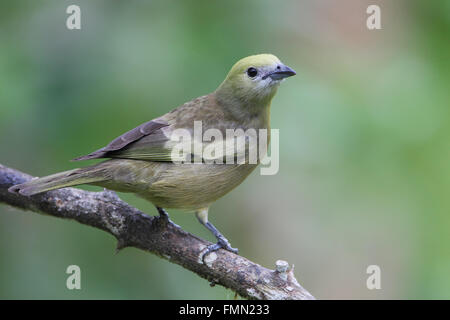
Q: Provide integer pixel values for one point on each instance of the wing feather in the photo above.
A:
(151, 130)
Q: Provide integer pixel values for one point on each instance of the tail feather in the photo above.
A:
(60, 180)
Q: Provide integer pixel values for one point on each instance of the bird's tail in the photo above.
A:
(95, 173)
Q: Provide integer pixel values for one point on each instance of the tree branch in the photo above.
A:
(132, 228)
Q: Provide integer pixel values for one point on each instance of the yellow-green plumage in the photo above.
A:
(141, 162)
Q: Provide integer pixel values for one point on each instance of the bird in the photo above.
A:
(142, 161)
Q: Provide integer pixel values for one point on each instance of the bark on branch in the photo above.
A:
(132, 228)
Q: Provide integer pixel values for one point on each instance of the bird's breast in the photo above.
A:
(192, 186)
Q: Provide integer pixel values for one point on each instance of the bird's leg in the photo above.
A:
(163, 215)
(222, 242)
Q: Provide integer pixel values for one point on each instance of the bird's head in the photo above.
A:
(255, 79)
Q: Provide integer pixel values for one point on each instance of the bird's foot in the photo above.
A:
(222, 243)
(164, 217)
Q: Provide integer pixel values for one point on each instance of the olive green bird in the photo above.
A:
(141, 160)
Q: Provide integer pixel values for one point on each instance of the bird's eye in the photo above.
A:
(252, 72)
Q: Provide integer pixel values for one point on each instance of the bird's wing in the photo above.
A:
(160, 140)
(145, 142)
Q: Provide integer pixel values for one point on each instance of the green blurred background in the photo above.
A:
(364, 135)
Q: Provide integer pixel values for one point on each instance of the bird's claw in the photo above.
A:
(222, 243)
(166, 221)
(164, 217)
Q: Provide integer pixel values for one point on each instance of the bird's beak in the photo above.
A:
(280, 72)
